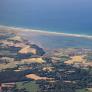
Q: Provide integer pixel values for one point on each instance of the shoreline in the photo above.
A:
(46, 32)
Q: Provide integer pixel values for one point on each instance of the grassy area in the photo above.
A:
(83, 90)
(29, 86)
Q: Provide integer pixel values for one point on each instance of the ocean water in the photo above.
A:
(68, 16)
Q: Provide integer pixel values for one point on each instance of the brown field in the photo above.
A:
(36, 77)
(76, 59)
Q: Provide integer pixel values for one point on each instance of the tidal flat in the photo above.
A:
(53, 40)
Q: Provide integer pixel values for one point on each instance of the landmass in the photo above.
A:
(27, 67)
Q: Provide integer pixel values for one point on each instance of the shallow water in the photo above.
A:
(57, 41)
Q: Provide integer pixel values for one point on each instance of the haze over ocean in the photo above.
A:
(68, 16)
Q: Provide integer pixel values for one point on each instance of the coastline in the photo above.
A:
(46, 32)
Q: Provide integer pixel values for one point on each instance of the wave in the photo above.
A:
(46, 32)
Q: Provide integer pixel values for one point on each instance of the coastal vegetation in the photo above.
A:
(26, 67)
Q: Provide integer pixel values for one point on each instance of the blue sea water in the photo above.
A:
(68, 16)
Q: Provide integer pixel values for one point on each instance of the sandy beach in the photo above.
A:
(41, 32)
(52, 40)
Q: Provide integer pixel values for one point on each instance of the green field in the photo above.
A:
(29, 86)
(83, 90)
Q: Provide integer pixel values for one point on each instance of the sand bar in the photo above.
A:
(45, 32)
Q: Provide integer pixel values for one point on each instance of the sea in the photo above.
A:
(63, 16)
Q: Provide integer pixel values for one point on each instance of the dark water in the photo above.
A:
(69, 16)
